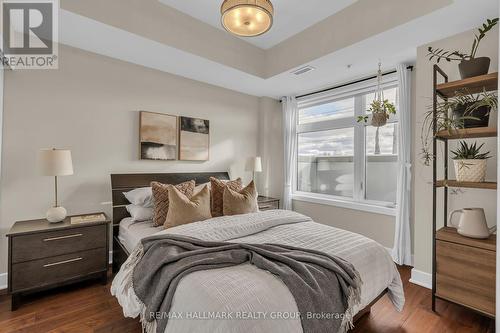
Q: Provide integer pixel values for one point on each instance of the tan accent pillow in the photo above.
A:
(161, 200)
(242, 202)
(184, 210)
(217, 191)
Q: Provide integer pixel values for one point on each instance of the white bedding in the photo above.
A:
(130, 232)
(248, 290)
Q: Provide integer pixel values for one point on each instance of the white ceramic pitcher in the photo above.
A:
(472, 223)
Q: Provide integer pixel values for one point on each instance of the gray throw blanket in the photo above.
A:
(325, 287)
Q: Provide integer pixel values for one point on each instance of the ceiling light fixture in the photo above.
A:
(247, 18)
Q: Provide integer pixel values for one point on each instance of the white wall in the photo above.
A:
(270, 147)
(422, 189)
(90, 106)
(375, 226)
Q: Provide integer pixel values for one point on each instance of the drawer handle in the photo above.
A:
(265, 207)
(63, 262)
(62, 237)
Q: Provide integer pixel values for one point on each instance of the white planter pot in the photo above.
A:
(470, 170)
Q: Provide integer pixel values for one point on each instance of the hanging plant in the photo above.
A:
(381, 109)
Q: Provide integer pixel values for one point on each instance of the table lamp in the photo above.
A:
(55, 162)
(254, 165)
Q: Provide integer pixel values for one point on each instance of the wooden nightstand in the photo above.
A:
(465, 270)
(45, 255)
(267, 203)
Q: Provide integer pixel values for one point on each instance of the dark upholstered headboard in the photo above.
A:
(126, 182)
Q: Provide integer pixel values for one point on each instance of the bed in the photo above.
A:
(223, 289)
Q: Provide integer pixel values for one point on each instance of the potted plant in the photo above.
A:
(469, 65)
(443, 122)
(474, 110)
(470, 163)
(381, 111)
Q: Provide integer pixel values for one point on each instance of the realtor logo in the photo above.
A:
(30, 34)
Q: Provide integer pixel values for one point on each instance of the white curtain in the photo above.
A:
(401, 253)
(289, 105)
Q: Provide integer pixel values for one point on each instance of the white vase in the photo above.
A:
(470, 170)
(56, 214)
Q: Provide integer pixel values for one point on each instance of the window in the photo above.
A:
(339, 159)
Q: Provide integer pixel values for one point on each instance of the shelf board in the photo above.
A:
(454, 183)
(467, 133)
(449, 234)
(473, 85)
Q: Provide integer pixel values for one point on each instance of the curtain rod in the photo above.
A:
(350, 83)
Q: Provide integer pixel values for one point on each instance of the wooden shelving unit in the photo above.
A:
(457, 261)
(467, 133)
(454, 183)
(473, 85)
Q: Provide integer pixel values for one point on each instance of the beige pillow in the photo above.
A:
(161, 201)
(217, 192)
(184, 210)
(242, 202)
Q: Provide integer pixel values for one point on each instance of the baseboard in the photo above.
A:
(420, 278)
(4, 279)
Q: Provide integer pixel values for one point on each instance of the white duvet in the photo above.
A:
(247, 299)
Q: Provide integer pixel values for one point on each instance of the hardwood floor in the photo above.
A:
(89, 307)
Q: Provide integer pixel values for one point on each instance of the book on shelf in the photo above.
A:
(91, 218)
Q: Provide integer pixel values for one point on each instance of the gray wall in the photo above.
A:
(90, 106)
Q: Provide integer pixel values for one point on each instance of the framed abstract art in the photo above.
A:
(194, 139)
(158, 136)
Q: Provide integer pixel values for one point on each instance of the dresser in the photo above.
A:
(45, 255)
(465, 270)
(267, 203)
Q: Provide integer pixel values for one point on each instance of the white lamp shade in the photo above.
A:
(257, 164)
(55, 162)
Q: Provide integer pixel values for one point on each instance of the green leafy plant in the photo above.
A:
(449, 56)
(469, 103)
(377, 106)
(443, 122)
(474, 102)
(469, 152)
(446, 122)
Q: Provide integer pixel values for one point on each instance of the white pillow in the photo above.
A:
(140, 197)
(139, 213)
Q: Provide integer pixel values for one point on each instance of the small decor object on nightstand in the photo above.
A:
(91, 218)
(55, 162)
(472, 223)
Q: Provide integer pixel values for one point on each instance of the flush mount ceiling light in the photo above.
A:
(247, 18)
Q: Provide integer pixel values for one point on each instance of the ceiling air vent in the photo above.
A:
(303, 70)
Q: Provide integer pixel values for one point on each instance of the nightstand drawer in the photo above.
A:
(268, 205)
(466, 275)
(42, 272)
(54, 243)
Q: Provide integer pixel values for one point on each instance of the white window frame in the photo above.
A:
(357, 202)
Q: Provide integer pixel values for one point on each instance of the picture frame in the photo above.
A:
(194, 139)
(158, 136)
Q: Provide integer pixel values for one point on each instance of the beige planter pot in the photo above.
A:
(470, 170)
(379, 119)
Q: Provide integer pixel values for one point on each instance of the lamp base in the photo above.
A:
(56, 214)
